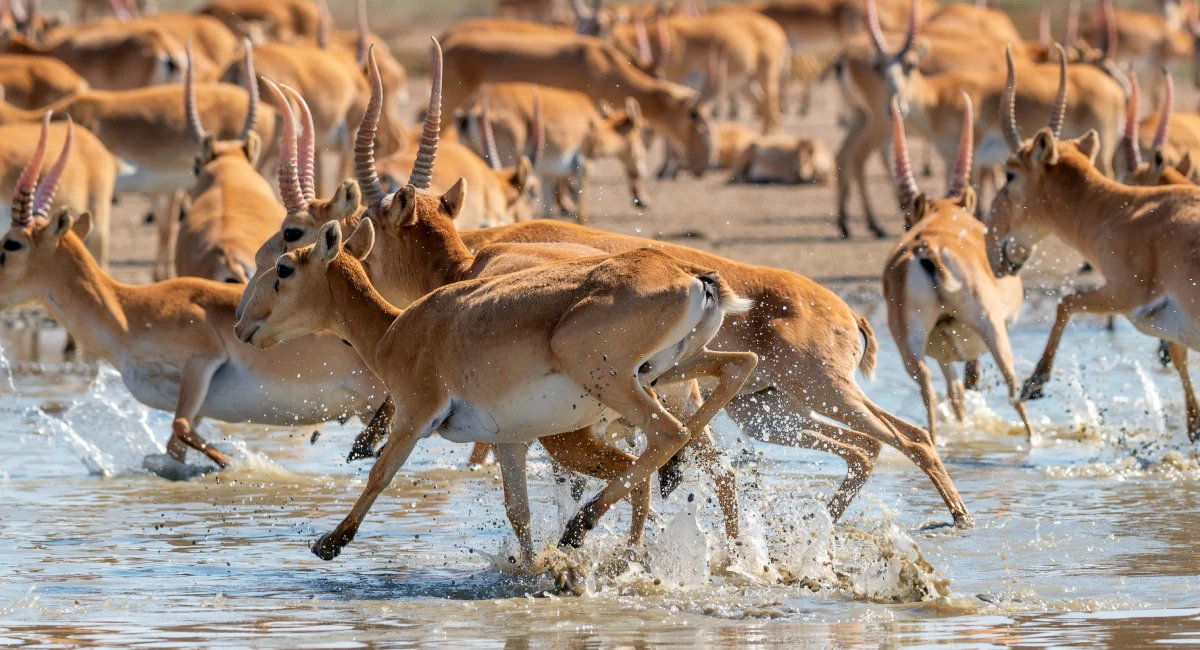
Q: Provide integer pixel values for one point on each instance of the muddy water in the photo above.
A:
(1084, 538)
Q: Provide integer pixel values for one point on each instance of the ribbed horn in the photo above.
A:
(910, 34)
(714, 79)
(905, 182)
(22, 203)
(306, 149)
(1164, 115)
(1130, 137)
(961, 176)
(17, 11)
(289, 179)
(360, 45)
(324, 26)
(539, 129)
(251, 89)
(364, 142)
(1108, 30)
(49, 185)
(873, 27)
(485, 128)
(645, 56)
(1071, 36)
(195, 127)
(119, 10)
(1044, 35)
(664, 43)
(422, 172)
(1058, 112)
(1008, 106)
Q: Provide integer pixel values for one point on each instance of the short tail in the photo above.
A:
(724, 295)
(866, 365)
(935, 262)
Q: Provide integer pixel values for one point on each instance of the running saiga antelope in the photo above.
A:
(31, 82)
(942, 299)
(562, 132)
(1141, 239)
(261, 21)
(172, 341)
(119, 59)
(232, 209)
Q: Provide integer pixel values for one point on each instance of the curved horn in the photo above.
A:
(1058, 112)
(49, 185)
(289, 180)
(17, 12)
(539, 129)
(119, 10)
(306, 149)
(873, 27)
(251, 88)
(360, 45)
(715, 78)
(966, 149)
(664, 42)
(910, 35)
(195, 127)
(1108, 30)
(1044, 35)
(905, 181)
(1071, 36)
(364, 142)
(1133, 146)
(324, 26)
(485, 127)
(422, 172)
(1008, 106)
(581, 10)
(645, 56)
(22, 203)
(1164, 116)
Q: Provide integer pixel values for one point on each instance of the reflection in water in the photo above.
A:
(1085, 539)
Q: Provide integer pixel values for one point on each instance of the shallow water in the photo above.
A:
(1086, 538)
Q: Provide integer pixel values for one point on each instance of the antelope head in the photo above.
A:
(960, 195)
(33, 240)
(248, 144)
(414, 224)
(896, 68)
(305, 212)
(622, 135)
(689, 119)
(1034, 185)
(295, 296)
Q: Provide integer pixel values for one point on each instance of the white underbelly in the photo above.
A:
(546, 406)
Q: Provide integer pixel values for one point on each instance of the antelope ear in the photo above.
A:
(1185, 165)
(345, 200)
(605, 108)
(1089, 144)
(520, 178)
(252, 148)
(362, 240)
(917, 212)
(83, 225)
(456, 196)
(61, 223)
(329, 242)
(968, 200)
(1044, 151)
(402, 212)
(922, 47)
(633, 110)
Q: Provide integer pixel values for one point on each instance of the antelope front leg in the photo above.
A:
(995, 333)
(1102, 300)
(193, 387)
(1178, 353)
(166, 214)
(397, 450)
(511, 457)
(377, 428)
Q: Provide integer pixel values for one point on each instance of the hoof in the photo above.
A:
(1032, 390)
(164, 466)
(879, 233)
(963, 520)
(570, 583)
(843, 229)
(670, 475)
(1164, 353)
(325, 548)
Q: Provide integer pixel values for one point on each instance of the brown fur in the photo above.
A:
(31, 82)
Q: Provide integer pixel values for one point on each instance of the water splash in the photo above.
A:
(6, 372)
(1153, 400)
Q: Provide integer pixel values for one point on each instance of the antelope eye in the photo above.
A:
(10, 245)
(1009, 177)
(292, 234)
(283, 271)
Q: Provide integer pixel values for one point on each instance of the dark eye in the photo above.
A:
(283, 270)
(1009, 176)
(10, 245)
(292, 234)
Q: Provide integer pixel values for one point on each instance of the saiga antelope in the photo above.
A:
(172, 341)
(562, 132)
(232, 209)
(1140, 239)
(31, 82)
(1173, 138)
(86, 180)
(119, 60)
(586, 65)
(781, 158)
(812, 397)
(1150, 40)
(261, 21)
(822, 26)
(942, 299)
